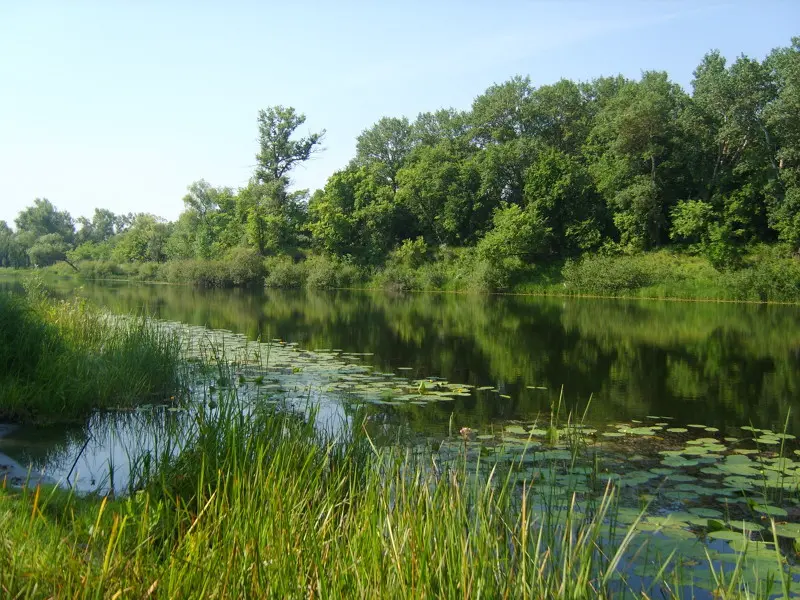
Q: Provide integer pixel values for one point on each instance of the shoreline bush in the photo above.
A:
(767, 274)
(60, 360)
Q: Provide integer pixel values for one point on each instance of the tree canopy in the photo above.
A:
(528, 174)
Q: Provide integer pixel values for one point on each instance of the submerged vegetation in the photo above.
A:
(61, 360)
(559, 188)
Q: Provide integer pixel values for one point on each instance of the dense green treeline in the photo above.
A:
(485, 198)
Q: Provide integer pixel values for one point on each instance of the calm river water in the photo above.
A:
(717, 364)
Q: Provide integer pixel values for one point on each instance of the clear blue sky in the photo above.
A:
(123, 104)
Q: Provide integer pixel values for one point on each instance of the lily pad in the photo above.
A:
(641, 431)
(516, 430)
(767, 440)
(726, 534)
(745, 526)
(702, 511)
(788, 530)
(768, 509)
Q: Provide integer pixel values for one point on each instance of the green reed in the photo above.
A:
(264, 503)
(60, 360)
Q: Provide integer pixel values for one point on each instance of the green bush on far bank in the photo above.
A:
(61, 360)
(241, 267)
(767, 274)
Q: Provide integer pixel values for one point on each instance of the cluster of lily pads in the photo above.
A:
(283, 369)
(705, 496)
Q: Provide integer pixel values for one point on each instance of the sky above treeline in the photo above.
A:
(122, 105)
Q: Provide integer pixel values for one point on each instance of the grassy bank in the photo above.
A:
(767, 274)
(266, 506)
(61, 360)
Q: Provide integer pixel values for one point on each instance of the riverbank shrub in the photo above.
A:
(61, 360)
(770, 276)
(330, 272)
(284, 272)
(768, 273)
(452, 269)
(100, 269)
(661, 274)
(241, 267)
(604, 275)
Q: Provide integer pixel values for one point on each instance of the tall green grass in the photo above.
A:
(60, 360)
(265, 504)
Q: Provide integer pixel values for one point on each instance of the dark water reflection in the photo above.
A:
(719, 364)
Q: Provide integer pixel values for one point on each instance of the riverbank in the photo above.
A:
(61, 360)
(767, 274)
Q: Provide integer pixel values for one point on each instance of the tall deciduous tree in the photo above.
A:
(12, 254)
(273, 217)
(43, 218)
(358, 215)
(385, 146)
(502, 113)
(632, 152)
(278, 151)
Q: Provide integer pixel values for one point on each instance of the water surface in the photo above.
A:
(718, 364)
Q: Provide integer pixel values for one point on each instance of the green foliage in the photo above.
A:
(560, 194)
(691, 220)
(769, 277)
(103, 226)
(91, 251)
(12, 253)
(284, 272)
(357, 215)
(144, 241)
(440, 190)
(386, 146)
(278, 152)
(101, 269)
(398, 278)
(44, 219)
(526, 175)
(490, 276)
(638, 215)
(786, 218)
(605, 275)
(272, 506)
(241, 267)
(47, 250)
(517, 236)
(411, 253)
(62, 360)
(331, 272)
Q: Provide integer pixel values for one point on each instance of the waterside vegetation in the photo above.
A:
(266, 505)
(61, 360)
